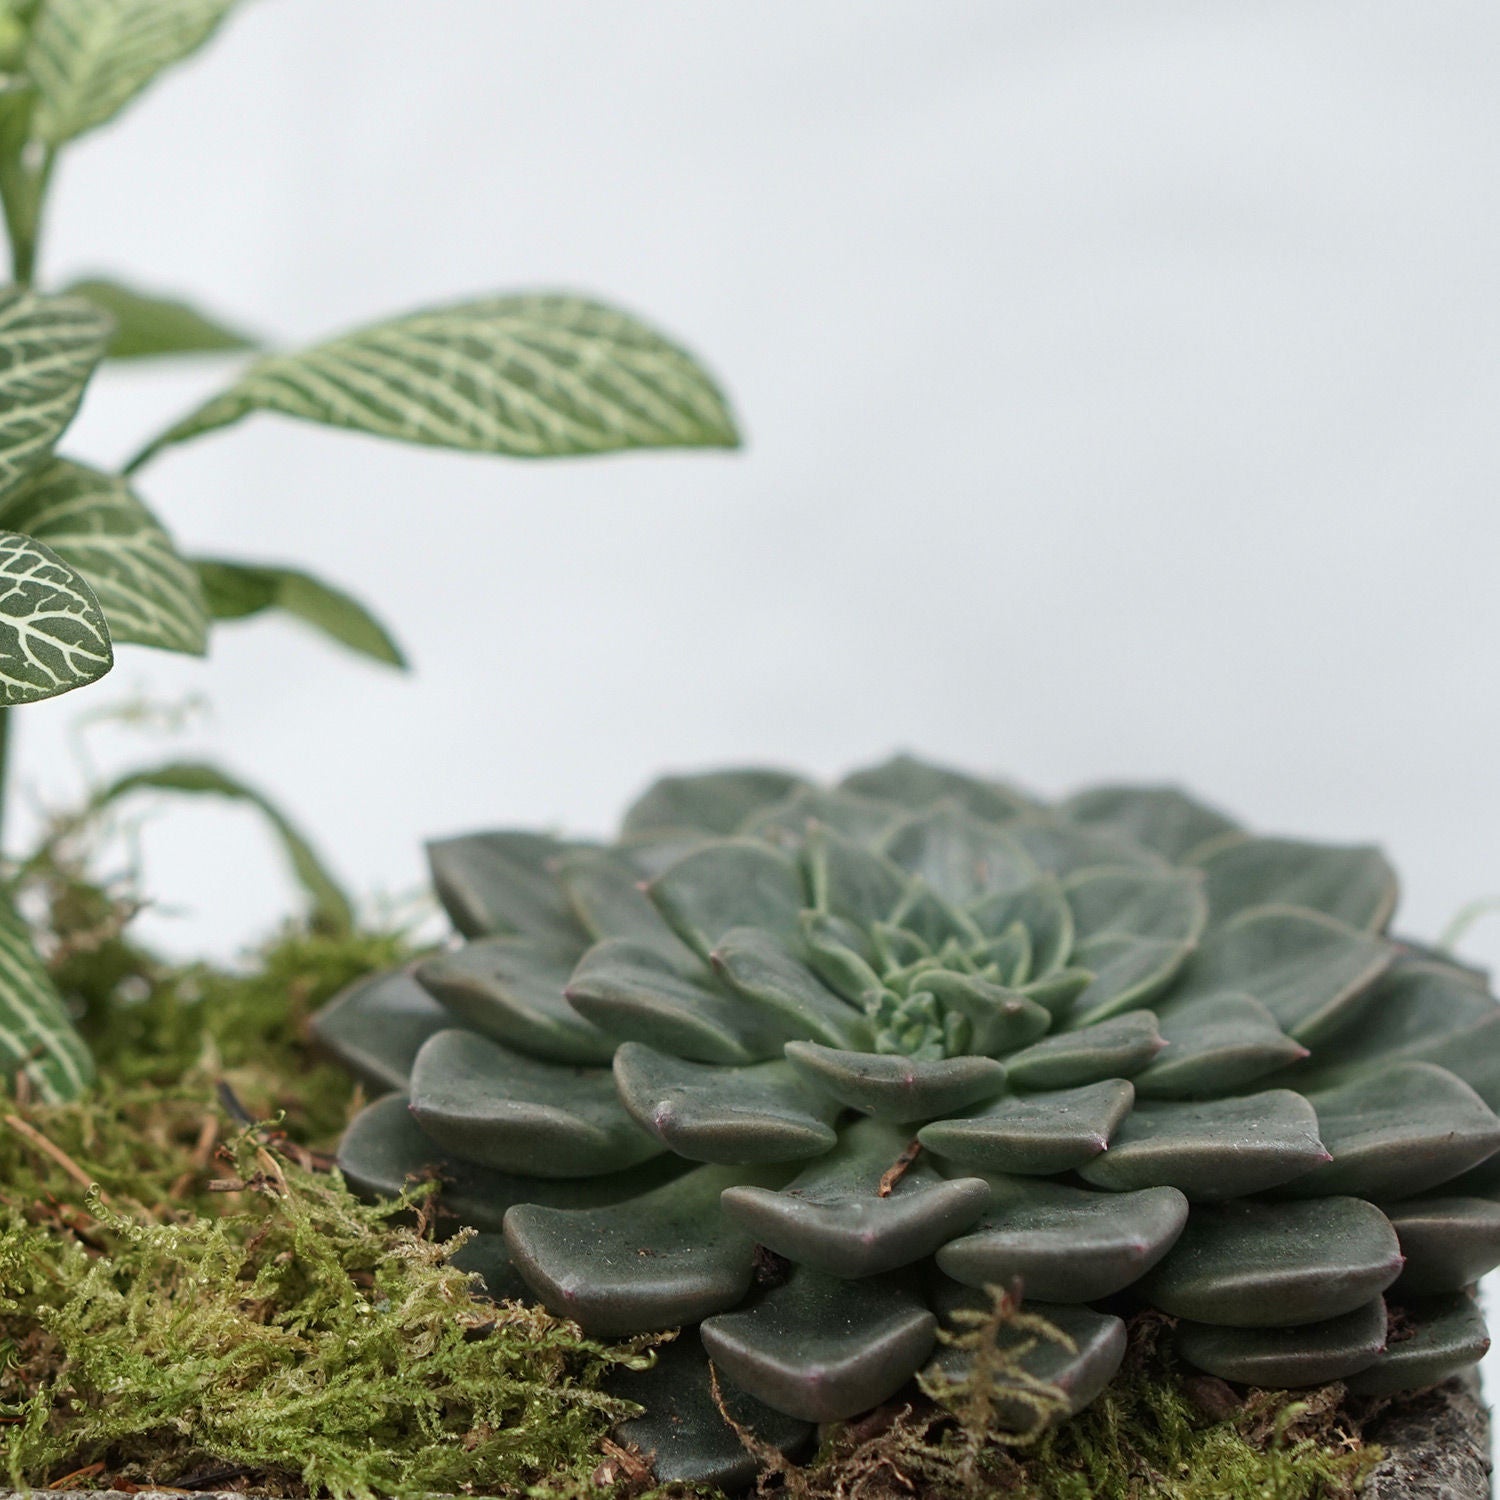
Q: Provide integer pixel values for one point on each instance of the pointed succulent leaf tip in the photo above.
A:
(1398, 1131)
(841, 1214)
(376, 1026)
(500, 883)
(1041, 910)
(715, 802)
(727, 884)
(1356, 885)
(897, 1088)
(849, 881)
(628, 990)
(1310, 971)
(1448, 1242)
(760, 970)
(501, 1109)
(1117, 1048)
(1034, 1134)
(1134, 929)
(998, 1019)
(1419, 1011)
(1312, 1354)
(1080, 1373)
(1267, 1265)
(765, 1112)
(961, 856)
(1441, 1337)
(650, 1263)
(916, 784)
(1163, 818)
(1214, 1148)
(1215, 1044)
(683, 1432)
(823, 1348)
(1065, 1244)
(605, 894)
(384, 1151)
(511, 990)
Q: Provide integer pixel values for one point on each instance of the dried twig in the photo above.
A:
(899, 1168)
(35, 1137)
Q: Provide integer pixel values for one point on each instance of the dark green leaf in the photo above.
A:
(147, 326)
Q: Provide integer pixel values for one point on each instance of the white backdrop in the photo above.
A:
(1119, 385)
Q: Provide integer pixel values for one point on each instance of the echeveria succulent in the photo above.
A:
(804, 1066)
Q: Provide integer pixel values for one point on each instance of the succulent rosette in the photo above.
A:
(810, 1067)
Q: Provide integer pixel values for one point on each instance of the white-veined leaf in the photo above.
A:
(235, 591)
(37, 1040)
(531, 377)
(150, 595)
(52, 631)
(331, 907)
(90, 58)
(48, 349)
(148, 326)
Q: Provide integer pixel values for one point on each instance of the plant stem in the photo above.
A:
(23, 191)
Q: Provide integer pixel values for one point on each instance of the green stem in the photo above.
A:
(23, 191)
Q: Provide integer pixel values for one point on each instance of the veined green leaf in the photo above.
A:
(530, 376)
(90, 58)
(237, 590)
(150, 595)
(331, 908)
(148, 326)
(37, 1040)
(48, 349)
(52, 631)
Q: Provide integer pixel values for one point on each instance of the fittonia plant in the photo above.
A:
(84, 562)
(807, 1068)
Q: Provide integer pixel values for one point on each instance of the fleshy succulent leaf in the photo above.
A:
(654, 1262)
(960, 856)
(384, 1150)
(1448, 1242)
(897, 1088)
(1042, 910)
(1117, 1048)
(1400, 1130)
(683, 1429)
(727, 884)
(504, 1110)
(1355, 885)
(1079, 1373)
(758, 968)
(606, 896)
(847, 880)
(1162, 818)
(1307, 969)
(629, 990)
(765, 1112)
(1312, 1354)
(376, 1026)
(912, 783)
(835, 1217)
(492, 883)
(714, 802)
(1440, 1338)
(1213, 1148)
(511, 990)
(1264, 1265)
(999, 1019)
(823, 1348)
(1039, 1134)
(1062, 1243)
(1215, 1044)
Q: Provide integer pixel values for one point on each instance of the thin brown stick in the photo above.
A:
(36, 1138)
(899, 1168)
